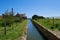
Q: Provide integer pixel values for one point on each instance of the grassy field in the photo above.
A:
(50, 23)
(13, 33)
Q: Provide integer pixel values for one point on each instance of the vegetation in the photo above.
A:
(37, 17)
(11, 26)
(50, 23)
(13, 34)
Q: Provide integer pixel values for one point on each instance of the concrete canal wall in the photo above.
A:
(48, 34)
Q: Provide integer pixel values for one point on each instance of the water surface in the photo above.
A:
(33, 33)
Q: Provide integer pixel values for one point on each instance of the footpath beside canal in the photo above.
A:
(47, 33)
(24, 36)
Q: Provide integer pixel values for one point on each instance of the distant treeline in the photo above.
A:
(37, 17)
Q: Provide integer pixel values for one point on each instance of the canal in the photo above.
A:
(33, 33)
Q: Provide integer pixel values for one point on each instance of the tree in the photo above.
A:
(34, 17)
(37, 17)
(40, 17)
(5, 19)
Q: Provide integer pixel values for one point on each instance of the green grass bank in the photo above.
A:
(14, 32)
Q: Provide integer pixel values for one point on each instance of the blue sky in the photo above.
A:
(45, 8)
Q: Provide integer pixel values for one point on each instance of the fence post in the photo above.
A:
(53, 21)
(5, 29)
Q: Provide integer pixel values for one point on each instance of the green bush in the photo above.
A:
(52, 27)
(56, 25)
(59, 29)
(3, 24)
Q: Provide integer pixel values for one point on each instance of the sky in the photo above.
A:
(46, 8)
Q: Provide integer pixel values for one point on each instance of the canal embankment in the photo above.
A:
(47, 33)
(24, 32)
(24, 36)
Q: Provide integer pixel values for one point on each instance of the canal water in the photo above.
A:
(33, 33)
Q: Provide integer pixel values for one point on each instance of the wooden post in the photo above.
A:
(5, 29)
(16, 24)
(12, 26)
(53, 21)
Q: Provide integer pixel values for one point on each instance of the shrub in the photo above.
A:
(56, 25)
(59, 29)
(52, 27)
(7, 24)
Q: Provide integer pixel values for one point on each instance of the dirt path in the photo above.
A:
(57, 33)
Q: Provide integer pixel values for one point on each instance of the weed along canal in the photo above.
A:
(33, 33)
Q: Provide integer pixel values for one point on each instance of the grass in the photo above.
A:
(13, 33)
(48, 23)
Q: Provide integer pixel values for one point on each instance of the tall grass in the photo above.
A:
(50, 23)
(14, 33)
